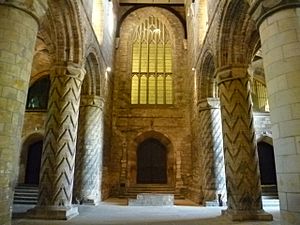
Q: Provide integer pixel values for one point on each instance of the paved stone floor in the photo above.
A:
(115, 211)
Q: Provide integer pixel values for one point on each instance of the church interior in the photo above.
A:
(169, 100)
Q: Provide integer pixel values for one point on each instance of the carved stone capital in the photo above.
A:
(91, 100)
(69, 69)
(35, 8)
(229, 73)
(208, 104)
(261, 9)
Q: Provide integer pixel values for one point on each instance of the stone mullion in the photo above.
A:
(18, 29)
(240, 151)
(88, 164)
(212, 145)
(58, 158)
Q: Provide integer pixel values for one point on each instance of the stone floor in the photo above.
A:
(115, 211)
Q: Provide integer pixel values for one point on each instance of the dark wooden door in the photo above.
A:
(34, 163)
(151, 162)
(266, 163)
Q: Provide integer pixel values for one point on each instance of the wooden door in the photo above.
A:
(151, 162)
(34, 163)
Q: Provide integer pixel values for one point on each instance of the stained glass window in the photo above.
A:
(151, 71)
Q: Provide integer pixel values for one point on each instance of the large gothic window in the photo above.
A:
(151, 71)
(38, 94)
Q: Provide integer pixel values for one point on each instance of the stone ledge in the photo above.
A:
(150, 199)
(53, 212)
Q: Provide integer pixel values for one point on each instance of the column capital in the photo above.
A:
(229, 73)
(208, 104)
(91, 100)
(68, 69)
(35, 8)
(261, 9)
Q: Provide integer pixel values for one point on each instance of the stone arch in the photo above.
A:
(92, 76)
(173, 11)
(175, 30)
(207, 84)
(237, 35)
(26, 142)
(65, 22)
(265, 138)
(132, 155)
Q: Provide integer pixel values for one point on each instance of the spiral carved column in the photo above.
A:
(240, 150)
(214, 184)
(58, 158)
(88, 166)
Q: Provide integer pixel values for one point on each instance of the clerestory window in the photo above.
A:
(151, 71)
(38, 94)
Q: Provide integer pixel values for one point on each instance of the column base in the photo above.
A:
(89, 202)
(53, 212)
(242, 215)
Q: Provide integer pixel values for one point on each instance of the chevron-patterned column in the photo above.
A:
(58, 158)
(214, 183)
(240, 150)
(88, 165)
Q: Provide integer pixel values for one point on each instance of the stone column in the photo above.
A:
(88, 165)
(240, 150)
(279, 28)
(213, 158)
(18, 31)
(58, 158)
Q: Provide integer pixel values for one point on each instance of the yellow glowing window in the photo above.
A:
(151, 70)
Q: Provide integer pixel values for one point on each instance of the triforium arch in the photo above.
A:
(165, 142)
(206, 80)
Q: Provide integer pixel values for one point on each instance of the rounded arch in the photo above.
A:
(237, 35)
(27, 141)
(131, 10)
(65, 22)
(207, 84)
(132, 155)
(92, 76)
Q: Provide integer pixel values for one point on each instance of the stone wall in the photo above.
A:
(131, 122)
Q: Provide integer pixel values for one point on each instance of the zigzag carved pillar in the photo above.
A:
(213, 157)
(88, 166)
(240, 150)
(58, 158)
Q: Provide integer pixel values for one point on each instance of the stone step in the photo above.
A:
(26, 194)
(133, 191)
(149, 199)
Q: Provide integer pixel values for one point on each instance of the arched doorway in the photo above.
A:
(151, 162)
(33, 163)
(267, 163)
